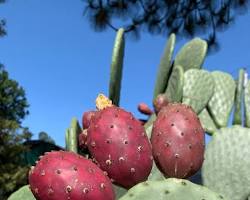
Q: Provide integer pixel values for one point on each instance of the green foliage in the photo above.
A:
(170, 189)
(13, 108)
(2, 24)
(158, 17)
(226, 166)
(165, 67)
(13, 102)
(24, 193)
(198, 88)
(43, 136)
(116, 68)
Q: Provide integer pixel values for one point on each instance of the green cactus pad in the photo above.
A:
(207, 122)
(198, 88)
(226, 166)
(155, 173)
(221, 103)
(149, 123)
(175, 84)
(192, 54)
(71, 136)
(247, 104)
(24, 193)
(116, 68)
(165, 67)
(170, 189)
(119, 191)
(238, 98)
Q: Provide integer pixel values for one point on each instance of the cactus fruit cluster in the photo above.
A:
(113, 155)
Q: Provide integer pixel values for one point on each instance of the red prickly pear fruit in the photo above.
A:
(86, 118)
(178, 141)
(62, 175)
(160, 101)
(118, 142)
(144, 109)
(82, 140)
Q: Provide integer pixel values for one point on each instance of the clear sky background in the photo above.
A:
(63, 64)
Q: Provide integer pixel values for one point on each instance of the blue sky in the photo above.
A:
(63, 64)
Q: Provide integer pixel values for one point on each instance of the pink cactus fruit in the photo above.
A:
(86, 118)
(118, 143)
(178, 141)
(160, 101)
(144, 109)
(62, 175)
(82, 140)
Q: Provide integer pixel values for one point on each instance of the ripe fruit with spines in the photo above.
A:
(178, 141)
(118, 142)
(63, 175)
(86, 118)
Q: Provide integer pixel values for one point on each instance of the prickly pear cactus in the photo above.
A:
(192, 54)
(155, 173)
(198, 88)
(116, 67)
(226, 165)
(207, 122)
(165, 67)
(170, 189)
(149, 123)
(238, 98)
(119, 191)
(247, 104)
(72, 134)
(221, 103)
(175, 84)
(23, 193)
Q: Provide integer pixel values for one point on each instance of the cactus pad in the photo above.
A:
(238, 98)
(226, 165)
(72, 134)
(207, 122)
(155, 173)
(150, 121)
(116, 68)
(23, 193)
(198, 88)
(192, 54)
(175, 84)
(170, 189)
(247, 104)
(119, 191)
(165, 67)
(221, 103)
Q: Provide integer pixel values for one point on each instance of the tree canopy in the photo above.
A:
(2, 24)
(182, 17)
(13, 109)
